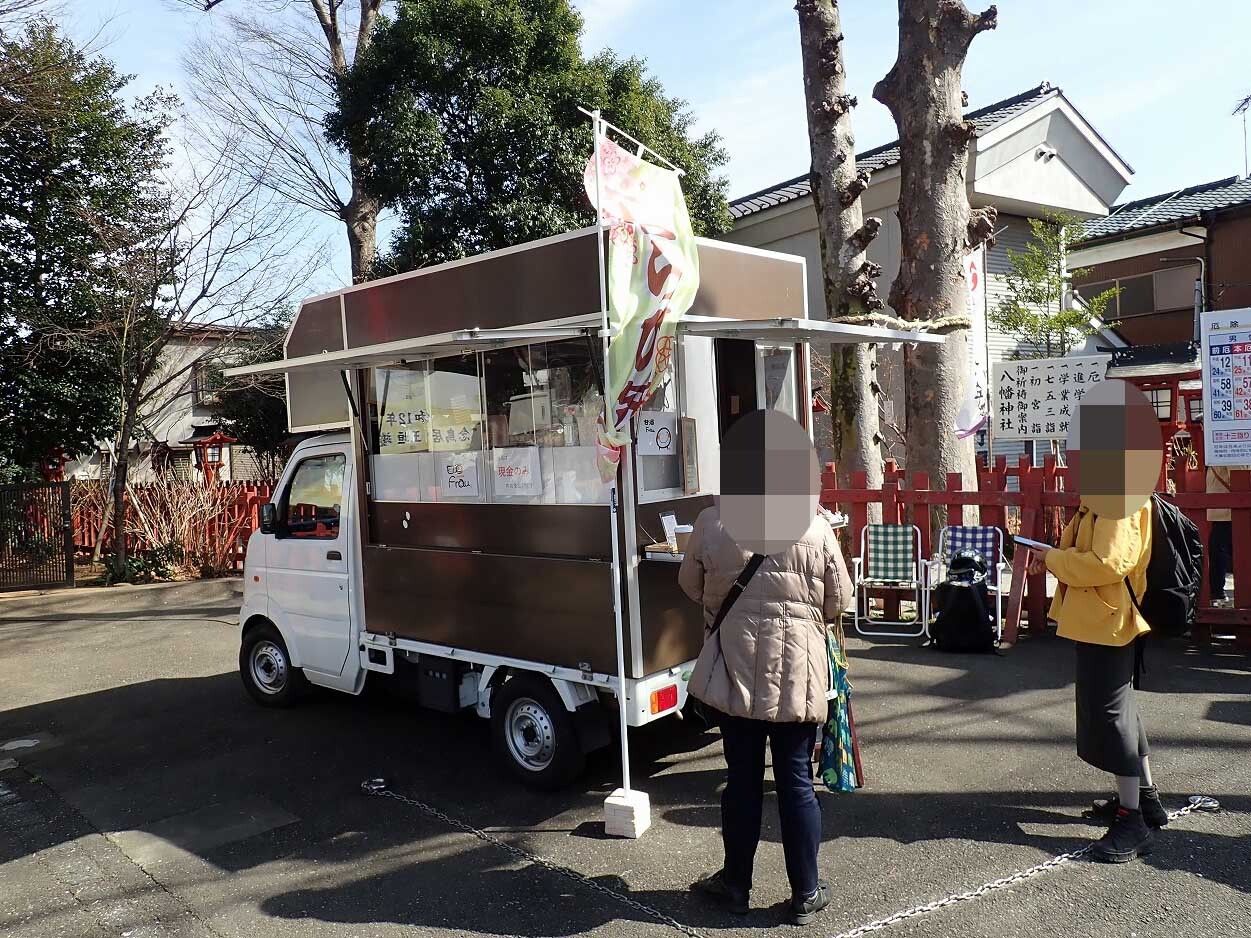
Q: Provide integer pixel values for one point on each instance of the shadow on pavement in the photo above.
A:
(134, 756)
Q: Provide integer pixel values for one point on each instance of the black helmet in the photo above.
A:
(967, 566)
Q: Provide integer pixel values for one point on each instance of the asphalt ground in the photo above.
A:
(151, 797)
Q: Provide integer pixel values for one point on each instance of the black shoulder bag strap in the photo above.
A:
(1140, 647)
(736, 590)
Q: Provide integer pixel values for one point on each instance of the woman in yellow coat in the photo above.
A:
(1102, 555)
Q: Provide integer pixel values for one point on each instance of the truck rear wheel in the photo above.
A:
(266, 669)
(534, 735)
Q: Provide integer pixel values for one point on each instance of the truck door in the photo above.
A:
(307, 561)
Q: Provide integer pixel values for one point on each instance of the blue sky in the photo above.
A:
(1157, 86)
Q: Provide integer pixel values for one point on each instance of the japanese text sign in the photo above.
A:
(1226, 350)
(1036, 399)
(658, 431)
(517, 471)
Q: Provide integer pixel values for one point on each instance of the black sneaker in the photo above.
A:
(804, 911)
(1153, 811)
(1128, 837)
(715, 887)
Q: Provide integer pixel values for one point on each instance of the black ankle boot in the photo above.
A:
(1153, 811)
(716, 888)
(1128, 837)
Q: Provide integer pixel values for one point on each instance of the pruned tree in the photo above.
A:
(847, 274)
(214, 254)
(1037, 309)
(938, 227)
(269, 81)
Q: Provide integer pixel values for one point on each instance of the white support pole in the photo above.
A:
(626, 812)
(603, 125)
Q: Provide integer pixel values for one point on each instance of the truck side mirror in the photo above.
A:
(269, 518)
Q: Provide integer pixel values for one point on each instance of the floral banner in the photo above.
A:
(653, 275)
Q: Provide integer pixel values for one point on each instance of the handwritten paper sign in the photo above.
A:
(658, 433)
(1035, 400)
(517, 471)
(404, 416)
(1226, 386)
(458, 475)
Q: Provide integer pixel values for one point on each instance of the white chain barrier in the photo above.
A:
(378, 787)
(1197, 803)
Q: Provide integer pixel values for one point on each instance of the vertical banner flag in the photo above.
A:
(653, 275)
(976, 409)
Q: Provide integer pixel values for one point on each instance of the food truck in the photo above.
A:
(447, 526)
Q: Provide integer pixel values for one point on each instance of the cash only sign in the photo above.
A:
(653, 275)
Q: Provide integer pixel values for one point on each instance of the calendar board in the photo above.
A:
(1226, 346)
(1036, 398)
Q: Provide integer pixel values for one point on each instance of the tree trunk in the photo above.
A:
(106, 517)
(360, 215)
(848, 277)
(121, 468)
(922, 91)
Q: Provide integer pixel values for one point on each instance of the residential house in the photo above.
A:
(1170, 255)
(1032, 153)
(180, 415)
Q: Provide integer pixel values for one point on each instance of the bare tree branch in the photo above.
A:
(267, 82)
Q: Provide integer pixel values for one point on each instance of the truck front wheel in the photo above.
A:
(534, 735)
(266, 669)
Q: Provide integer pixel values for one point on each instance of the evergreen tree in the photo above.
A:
(76, 167)
(465, 113)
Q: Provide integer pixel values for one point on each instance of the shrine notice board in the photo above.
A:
(1036, 398)
(1226, 348)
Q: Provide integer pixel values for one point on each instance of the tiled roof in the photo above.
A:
(888, 155)
(1170, 207)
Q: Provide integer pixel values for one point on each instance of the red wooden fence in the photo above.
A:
(1042, 507)
(234, 524)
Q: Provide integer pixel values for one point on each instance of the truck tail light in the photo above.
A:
(665, 699)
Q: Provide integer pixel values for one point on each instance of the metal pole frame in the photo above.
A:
(614, 506)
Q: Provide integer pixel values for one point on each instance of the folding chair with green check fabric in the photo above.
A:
(890, 559)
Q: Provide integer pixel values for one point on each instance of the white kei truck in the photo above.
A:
(444, 525)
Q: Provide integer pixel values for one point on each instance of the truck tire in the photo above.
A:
(266, 669)
(534, 735)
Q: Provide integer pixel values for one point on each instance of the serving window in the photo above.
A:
(509, 425)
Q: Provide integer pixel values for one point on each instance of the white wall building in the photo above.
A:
(178, 413)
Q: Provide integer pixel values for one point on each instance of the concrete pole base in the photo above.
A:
(627, 814)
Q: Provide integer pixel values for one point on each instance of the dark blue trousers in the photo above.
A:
(743, 799)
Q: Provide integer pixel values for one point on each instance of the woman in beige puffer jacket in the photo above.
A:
(768, 676)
